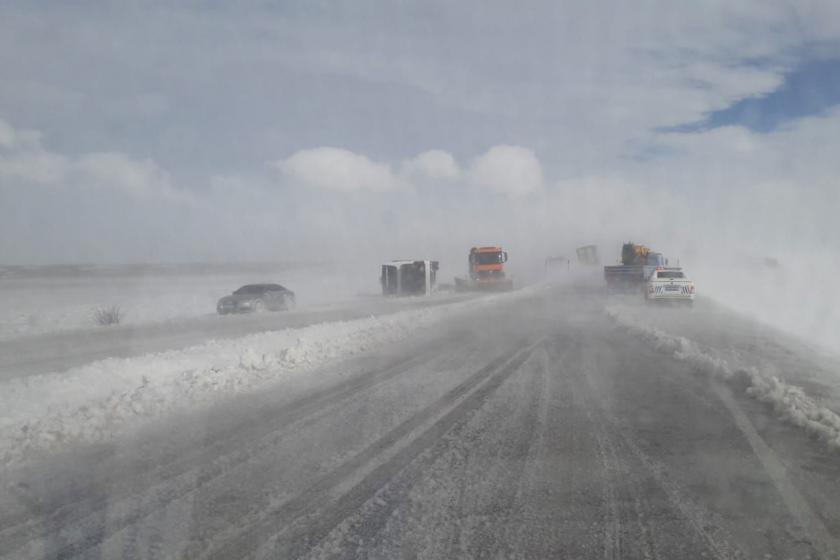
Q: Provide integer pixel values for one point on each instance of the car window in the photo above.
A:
(252, 290)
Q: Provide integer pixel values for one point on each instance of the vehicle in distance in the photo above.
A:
(485, 270)
(588, 255)
(409, 278)
(257, 297)
(670, 284)
(637, 265)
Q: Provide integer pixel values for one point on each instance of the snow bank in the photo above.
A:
(788, 401)
(100, 401)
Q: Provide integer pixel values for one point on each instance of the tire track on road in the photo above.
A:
(561, 491)
(213, 459)
(510, 433)
(300, 523)
(702, 522)
(517, 527)
(610, 466)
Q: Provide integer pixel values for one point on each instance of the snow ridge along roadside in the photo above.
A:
(100, 401)
(789, 402)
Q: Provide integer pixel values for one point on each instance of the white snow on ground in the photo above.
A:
(41, 300)
(795, 292)
(788, 401)
(102, 400)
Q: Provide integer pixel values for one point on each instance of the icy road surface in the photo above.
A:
(548, 425)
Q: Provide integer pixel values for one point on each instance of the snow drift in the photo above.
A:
(789, 402)
(102, 400)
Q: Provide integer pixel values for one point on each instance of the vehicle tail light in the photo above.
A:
(651, 289)
(691, 288)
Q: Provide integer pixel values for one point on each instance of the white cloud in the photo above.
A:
(510, 170)
(114, 170)
(38, 167)
(434, 164)
(731, 83)
(12, 139)
(24, 160)
(336, 169)
(7, 134)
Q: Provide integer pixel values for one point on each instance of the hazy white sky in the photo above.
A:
(136, 131)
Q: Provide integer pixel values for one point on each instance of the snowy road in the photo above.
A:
(532, 428)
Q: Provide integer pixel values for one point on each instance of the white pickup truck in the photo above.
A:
(669, 284)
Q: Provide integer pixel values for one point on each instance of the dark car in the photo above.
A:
(257, 297)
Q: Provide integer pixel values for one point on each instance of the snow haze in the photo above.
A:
(355, 134)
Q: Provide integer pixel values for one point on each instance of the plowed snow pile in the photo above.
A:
(789, 402)
(99, 401)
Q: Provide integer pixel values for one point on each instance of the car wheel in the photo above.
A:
(259, 306)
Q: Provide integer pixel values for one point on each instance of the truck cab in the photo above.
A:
(485, 271)
(486, 263)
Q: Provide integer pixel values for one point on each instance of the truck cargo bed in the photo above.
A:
(627, 276)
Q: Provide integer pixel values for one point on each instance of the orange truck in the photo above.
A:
(486, 270)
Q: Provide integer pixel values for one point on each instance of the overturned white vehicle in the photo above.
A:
(409, 278)
(669, 285)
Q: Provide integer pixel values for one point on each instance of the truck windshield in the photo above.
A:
(488, 258)
(670, 274)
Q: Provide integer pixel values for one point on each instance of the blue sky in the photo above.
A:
(810, 88)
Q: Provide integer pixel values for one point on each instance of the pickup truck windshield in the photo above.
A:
(670, 274)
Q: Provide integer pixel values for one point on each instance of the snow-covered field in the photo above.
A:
(107, 398)
(793, 292)
(38, 300)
